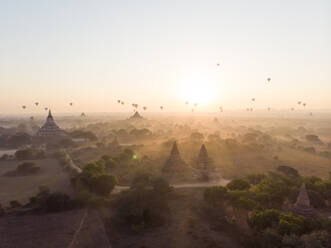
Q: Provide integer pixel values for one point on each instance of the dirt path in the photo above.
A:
(221, 182)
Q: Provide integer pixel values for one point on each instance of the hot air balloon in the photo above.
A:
(192, 110)
(23, 107)
(71, 103)
(122, 103)
(251, 109)
(119, 101)
(221, 108)
(218, 64)
(292, 109)
(247, 109)
(299, 102)
(46, 109)
(195, 105)
(311, 114)
(82, 115)
(186, 102)
(161, 107)
(269, 108)
(268, 79)
(36, 103)
(304, 104)
(31, 118)
(144, 107)
(253, 99)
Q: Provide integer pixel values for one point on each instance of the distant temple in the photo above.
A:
(50, 128)
(204, 164)
(302, 205)
(174, 164)
(136, 116)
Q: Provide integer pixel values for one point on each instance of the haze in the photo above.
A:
(163, 53)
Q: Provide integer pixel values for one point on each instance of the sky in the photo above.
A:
(163, 53)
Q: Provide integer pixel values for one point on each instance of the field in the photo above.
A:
(21, 188)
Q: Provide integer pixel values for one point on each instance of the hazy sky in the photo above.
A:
(163, 52)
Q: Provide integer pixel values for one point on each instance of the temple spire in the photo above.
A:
(50, 114)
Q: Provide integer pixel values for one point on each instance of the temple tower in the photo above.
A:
(50, 128)
(302, 205)
(174, 164)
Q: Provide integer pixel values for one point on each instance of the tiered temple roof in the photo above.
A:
(302, 205)
(50, 128)
(174, 164)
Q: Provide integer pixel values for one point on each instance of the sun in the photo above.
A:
(198, 89)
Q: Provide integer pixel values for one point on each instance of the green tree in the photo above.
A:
(238, 184)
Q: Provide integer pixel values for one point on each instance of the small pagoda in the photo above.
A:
(302, 205)
(50, 128)
(174, 164)
(136, 116)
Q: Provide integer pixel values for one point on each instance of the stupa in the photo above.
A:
(204, 164)
(136, 116)
(174, 164)
(50, 128)
(302, 205)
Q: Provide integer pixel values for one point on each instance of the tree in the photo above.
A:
(161, 186)
(255, 178)
(238, 184)
(288, 171)
(261, 220)
(103, 184)
(215, 195)
(317, 239)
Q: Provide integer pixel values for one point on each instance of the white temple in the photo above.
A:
(50, 128)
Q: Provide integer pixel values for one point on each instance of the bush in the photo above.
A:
(238, 184)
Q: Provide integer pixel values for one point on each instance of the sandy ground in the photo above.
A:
(73, 229)
(23, 187)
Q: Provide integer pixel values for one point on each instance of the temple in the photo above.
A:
(302, 205)
(204, 163)
(136, 116)
(174, 164)
(50, 128)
